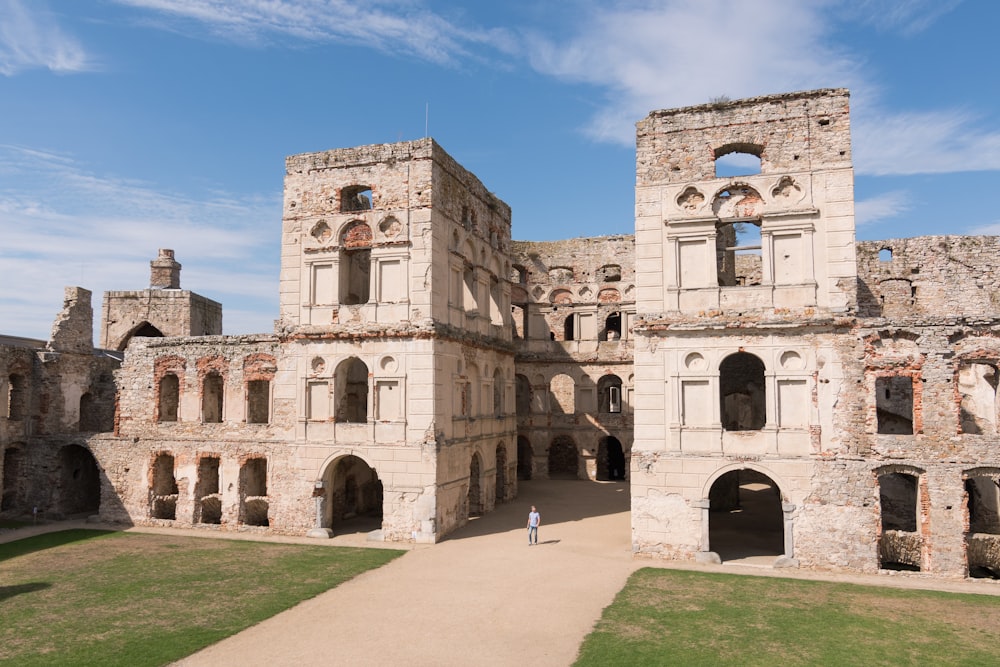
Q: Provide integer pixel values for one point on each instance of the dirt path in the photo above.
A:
(482, 597)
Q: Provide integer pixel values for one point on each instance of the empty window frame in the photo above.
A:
(894, 404)
(212, 390)
(738, 253)
(609, 393)
(169, 398)
(742, 392)
(352, 391)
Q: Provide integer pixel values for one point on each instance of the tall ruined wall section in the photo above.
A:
(574, 304)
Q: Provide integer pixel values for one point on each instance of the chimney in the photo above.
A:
(164, 272)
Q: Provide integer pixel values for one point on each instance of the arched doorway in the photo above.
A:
(475, 485)
(13, 470)
(501, 473)
(745, 516)
(353, 496)
(523, 458)
(610, 459)
(564, 458)
(79, 481)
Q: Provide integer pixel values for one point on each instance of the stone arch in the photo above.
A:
(746, 514)
(13, 477)
(742, 392)
(79, 481)
(610, 459)
(900, 542)
(254, 501)
(524, 458)
(351, 389)
(352, 494)
(143, 330)
(562, 390)
(564, 458)
(982, 517)
(609, 394)
(162, 487)
(501, 473)
(476, 506)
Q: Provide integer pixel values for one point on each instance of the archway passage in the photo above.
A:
(523, 458)
(13, 469)
(610, 459)
(352, 497)
(475, 486)
(564, 459)
(80, 481)
(745, 516)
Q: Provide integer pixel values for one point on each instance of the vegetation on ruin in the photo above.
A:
(84, 597)
(667, 617)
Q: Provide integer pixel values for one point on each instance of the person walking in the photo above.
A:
(534, 519)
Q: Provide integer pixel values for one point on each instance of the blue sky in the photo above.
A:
(132, 125)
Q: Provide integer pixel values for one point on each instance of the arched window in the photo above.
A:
(352, 391)
(522, 395)
(211, 398)
(17, 397)
(355, 198)
(609, 392)
(739, 159)
(169, 398)
(498, 391)
(741, 389)
(612, 327)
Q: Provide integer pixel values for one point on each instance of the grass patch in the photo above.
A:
(669, 617)
(84, 597)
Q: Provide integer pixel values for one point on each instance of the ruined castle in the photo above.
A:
(742, 363)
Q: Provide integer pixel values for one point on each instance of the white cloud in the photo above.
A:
(31, 38)
(932, 142)
(63, 225)
(992, 229)
(906, 16)
(656, 55)
(886, 205)
(392, 26)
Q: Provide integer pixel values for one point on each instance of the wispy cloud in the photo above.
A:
(30, 38)
(64, 225)
(932, 142)
(392, 26)
(648, 56)
(906, 16)
(881, 207)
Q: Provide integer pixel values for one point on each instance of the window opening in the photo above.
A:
(169, 398)
(253, 492)
(16, 397)
(741, 386)
(355, 198)
(900, 546)
(352, 391)
(737, 160)
(258, 401)
(609, 391)
(163, 494)
(894, 404)
(211, 398)
(738, 253)
(209, 500)
(612, 327)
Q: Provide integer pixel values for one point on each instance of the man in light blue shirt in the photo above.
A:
(534, 518)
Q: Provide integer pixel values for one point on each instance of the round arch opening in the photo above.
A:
(745, 516)
(353, 496)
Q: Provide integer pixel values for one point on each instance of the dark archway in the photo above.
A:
(564, 458)
(13, 471)
(524, 455)
(745, 516)
(353, 496)
(610, 459)
(79, 481)
(143, 329)
(475, 485)
(501, 473)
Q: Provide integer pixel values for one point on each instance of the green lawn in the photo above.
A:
(668, 617)
(85, 597)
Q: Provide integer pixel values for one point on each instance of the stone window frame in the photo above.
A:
(922, 507)
(916, 382)
(207, 366)
(259, 367)
(169, 365)
(984, 357)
